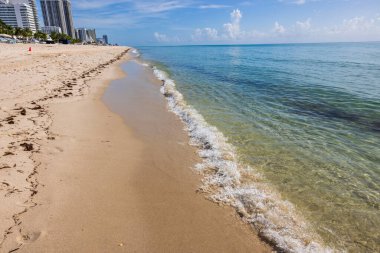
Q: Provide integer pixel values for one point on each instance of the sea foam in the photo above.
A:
(225, 181)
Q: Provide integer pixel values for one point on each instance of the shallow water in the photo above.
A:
(306, 117)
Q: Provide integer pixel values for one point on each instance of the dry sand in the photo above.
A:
(76, 177)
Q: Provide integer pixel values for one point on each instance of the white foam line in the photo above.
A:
(274, 218)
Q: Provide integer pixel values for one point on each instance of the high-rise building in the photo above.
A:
(32, 4)
(68, 18)
(105, 39)
(81, 34)
(91, 33)
(18, 14)
(58, 13)
(86, 35)
(51, 29)
(52, 12)
(100, 41)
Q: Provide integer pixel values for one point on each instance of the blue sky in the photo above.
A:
(167, 22)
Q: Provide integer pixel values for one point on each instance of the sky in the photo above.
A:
(189, 22)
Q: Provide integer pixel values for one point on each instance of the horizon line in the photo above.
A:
(256, 44)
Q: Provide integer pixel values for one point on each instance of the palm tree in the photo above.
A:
(2, 26)
(27, 33)
(54, 36)
(40, 35)
(60, 36)
(18, 32)
(6, 29)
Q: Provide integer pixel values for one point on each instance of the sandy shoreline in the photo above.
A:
(83, 180)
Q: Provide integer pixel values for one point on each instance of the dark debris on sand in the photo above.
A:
(27, 146)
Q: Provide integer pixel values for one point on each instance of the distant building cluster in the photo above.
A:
(86, 35)
(57, 17)
(103, 40)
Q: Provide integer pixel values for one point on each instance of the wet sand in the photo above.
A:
(116, 177)
(176, 218)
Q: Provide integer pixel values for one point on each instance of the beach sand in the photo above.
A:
(79, 174)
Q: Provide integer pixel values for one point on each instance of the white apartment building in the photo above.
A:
(31, 3)
(17, 14)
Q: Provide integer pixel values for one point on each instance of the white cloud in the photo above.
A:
(356, 26)
(357, 23)
(151, 6)
(304, 25)
(96, 4)
(354, 29)
(280, 29)
(122, 14)
(205, 34)
(137, 14)
(160, 6)
(297, 2)
(233, 29)
(213, 6)
(161, 37)
(246, 3)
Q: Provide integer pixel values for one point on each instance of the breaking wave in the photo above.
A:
(227, 181)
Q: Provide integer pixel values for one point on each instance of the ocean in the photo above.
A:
(288, 134)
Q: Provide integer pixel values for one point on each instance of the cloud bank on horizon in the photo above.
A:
(148, 22)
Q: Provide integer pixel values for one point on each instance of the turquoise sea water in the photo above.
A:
(303, 120)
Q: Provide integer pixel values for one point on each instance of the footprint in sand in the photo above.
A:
(23, 204)
(29, 237)
(59, 149)
(4, 166)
